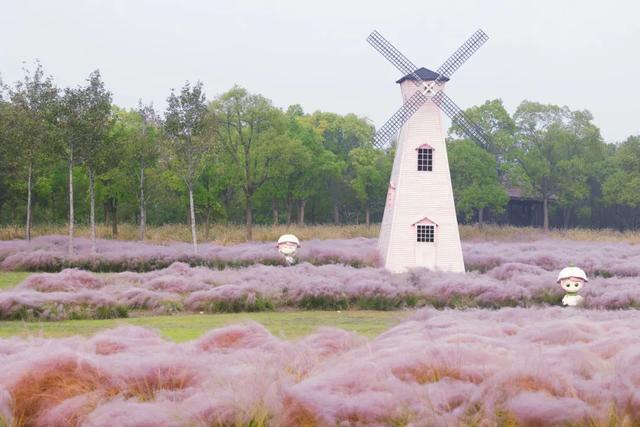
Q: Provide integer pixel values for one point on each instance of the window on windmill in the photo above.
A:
(426, 233)
(425, 159)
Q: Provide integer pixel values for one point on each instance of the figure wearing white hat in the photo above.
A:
(572, 279)
(287, 246)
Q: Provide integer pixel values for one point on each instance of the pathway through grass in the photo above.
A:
(293, 324)
(289, 325)
(9, 279)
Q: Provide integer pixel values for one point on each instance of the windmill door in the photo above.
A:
(425, 243)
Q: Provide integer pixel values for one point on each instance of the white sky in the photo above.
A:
(577, 53)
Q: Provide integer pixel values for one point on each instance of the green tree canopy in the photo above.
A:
(475, 181)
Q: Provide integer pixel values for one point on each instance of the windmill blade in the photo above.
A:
(393, 125)
(458, 117)
(461, 55)
(392, 54)
(450, 66)
(402, 63)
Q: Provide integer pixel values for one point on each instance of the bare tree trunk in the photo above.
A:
(289, 210)
(13, 216)
(274, 208)
(303, 202)
(207, 223)
(106, 209)
(336, 214)
(192, 211)
(545, 213)
(566, 217)
(114, 217)
(367, 216)
(249, 217)
(92, 211)
(481, 217)
(71, 218)
(28, 227)
(142, 215)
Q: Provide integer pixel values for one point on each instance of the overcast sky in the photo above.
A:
(583, 54)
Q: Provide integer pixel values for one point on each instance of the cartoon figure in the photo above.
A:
(287, 245)
(572, 279)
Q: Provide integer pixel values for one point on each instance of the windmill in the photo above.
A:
(419, 226)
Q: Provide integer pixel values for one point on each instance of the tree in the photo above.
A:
(340, 134)
(146, 152)
(552, 149)
(94, 143)
(371, 176)
(289, 179)
(31, 127)
(122, 172)
(71, 111)
(475, 180)
(189, 137)
(249, 129)
(4, 146)
(622, 186)
(137, 134)
(498, 127)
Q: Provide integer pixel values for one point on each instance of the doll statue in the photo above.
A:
(287, 246)
(572, 280)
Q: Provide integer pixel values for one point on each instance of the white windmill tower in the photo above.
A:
(419, 226)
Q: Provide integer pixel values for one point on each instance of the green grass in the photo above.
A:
(8, 279)
(288, 325)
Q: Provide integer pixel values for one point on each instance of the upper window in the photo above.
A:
(425, 159)
(426, 232)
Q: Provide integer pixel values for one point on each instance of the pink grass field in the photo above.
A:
(75, 293)
(49, 253)
(508, 354)
(548, 366)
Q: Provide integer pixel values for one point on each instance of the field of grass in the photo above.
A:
(186, 327)
(229, 234)
(528, 365)
(287, 325)
(9, 279)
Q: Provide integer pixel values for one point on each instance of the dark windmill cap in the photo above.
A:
(425, 74)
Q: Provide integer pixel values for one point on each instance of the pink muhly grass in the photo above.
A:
(49, 253)
(259, 287)
(527, 366)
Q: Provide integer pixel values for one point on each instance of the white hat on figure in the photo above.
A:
(288, 238)
(567, 272)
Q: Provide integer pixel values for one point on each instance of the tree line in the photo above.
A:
(551, 153)
(70, 155)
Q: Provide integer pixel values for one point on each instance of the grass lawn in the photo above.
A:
(288, 325)
(9, 279)
(292, 324)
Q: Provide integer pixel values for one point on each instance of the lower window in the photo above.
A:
(426, 233)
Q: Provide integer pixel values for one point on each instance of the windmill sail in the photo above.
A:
(445, 71)
(393, 125)
(458, 117)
